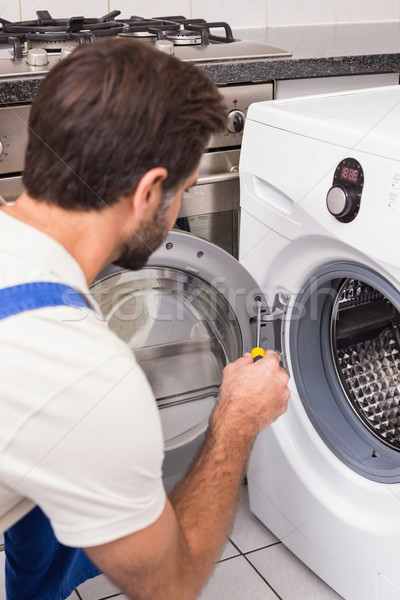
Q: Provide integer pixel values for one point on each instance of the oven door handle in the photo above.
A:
(218, 177)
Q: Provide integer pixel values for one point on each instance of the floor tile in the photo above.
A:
(229, 552)
(101, 586)
(235, 579)
(288, 576)
(98, 587)
(248, 532)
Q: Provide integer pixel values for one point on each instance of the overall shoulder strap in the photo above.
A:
(38, 294)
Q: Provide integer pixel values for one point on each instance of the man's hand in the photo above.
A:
(254, 394)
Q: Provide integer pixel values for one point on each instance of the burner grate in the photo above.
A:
(45, 29)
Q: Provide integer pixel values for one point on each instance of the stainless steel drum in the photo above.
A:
(365, 336)
(182, 331)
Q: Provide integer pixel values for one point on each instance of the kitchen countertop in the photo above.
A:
(317, 51)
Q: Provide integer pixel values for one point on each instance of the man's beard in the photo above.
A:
(135, 252)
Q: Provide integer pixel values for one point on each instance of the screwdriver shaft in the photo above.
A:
(258, 323)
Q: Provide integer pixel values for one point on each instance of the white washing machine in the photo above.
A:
(320, 233)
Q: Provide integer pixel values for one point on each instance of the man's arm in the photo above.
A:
(172, 558)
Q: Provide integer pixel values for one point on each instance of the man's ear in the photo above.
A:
(148, 193)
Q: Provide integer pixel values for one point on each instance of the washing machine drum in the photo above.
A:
(165, 317)
(365, 339)
(346, 350)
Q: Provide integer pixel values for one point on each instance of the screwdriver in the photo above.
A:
(258, 352)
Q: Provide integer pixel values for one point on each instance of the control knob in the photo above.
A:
(236, 121)
(66, 51)
(37, 57)
(165, 46)
(341, 201)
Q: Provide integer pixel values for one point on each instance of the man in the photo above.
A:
(116, 135)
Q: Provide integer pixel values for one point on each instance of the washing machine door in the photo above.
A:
(187, 314)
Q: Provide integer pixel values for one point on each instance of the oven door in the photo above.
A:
(187, 314)
(13, 142)
(210, 209)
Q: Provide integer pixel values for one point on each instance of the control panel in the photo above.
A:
(344, 197)
(238, 99)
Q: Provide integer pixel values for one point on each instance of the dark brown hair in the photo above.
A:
(109, 113)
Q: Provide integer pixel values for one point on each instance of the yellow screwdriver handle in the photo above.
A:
(257, 353)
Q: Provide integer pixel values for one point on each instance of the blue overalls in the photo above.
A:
(38, 567)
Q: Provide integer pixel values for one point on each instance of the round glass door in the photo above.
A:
(345, 355)
(182, 331)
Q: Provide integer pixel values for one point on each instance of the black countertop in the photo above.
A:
(317, 51)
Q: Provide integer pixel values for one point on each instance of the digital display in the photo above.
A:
(348, 174)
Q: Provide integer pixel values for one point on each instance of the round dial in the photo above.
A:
(339, 201)
(37, 57)
(236, 121)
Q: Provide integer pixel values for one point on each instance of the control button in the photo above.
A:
(165, 46)
(338, 201)
(37, 57)
(1, 148)
(235, 121)
(66, 51)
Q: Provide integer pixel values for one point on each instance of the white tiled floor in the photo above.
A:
(253, 566)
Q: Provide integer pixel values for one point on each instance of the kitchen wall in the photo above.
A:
(239, 13)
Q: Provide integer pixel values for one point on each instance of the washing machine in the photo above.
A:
(320, 233)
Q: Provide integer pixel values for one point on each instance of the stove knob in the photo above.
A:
(1, 148)
(340, 201)
(236, 121)
(66, 51)
(165, 46)
(37, 57)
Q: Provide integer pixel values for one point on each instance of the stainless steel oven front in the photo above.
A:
(210, 210)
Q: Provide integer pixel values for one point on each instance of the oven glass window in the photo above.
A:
(220, 228)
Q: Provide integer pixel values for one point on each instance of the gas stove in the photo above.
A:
(33, 47)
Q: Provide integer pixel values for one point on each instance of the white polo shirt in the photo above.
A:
(80, 432)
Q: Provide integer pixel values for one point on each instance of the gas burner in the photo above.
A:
(141, 35)
(151, 28)
(184, 37)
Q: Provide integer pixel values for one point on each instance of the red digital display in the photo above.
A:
(349, 174)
